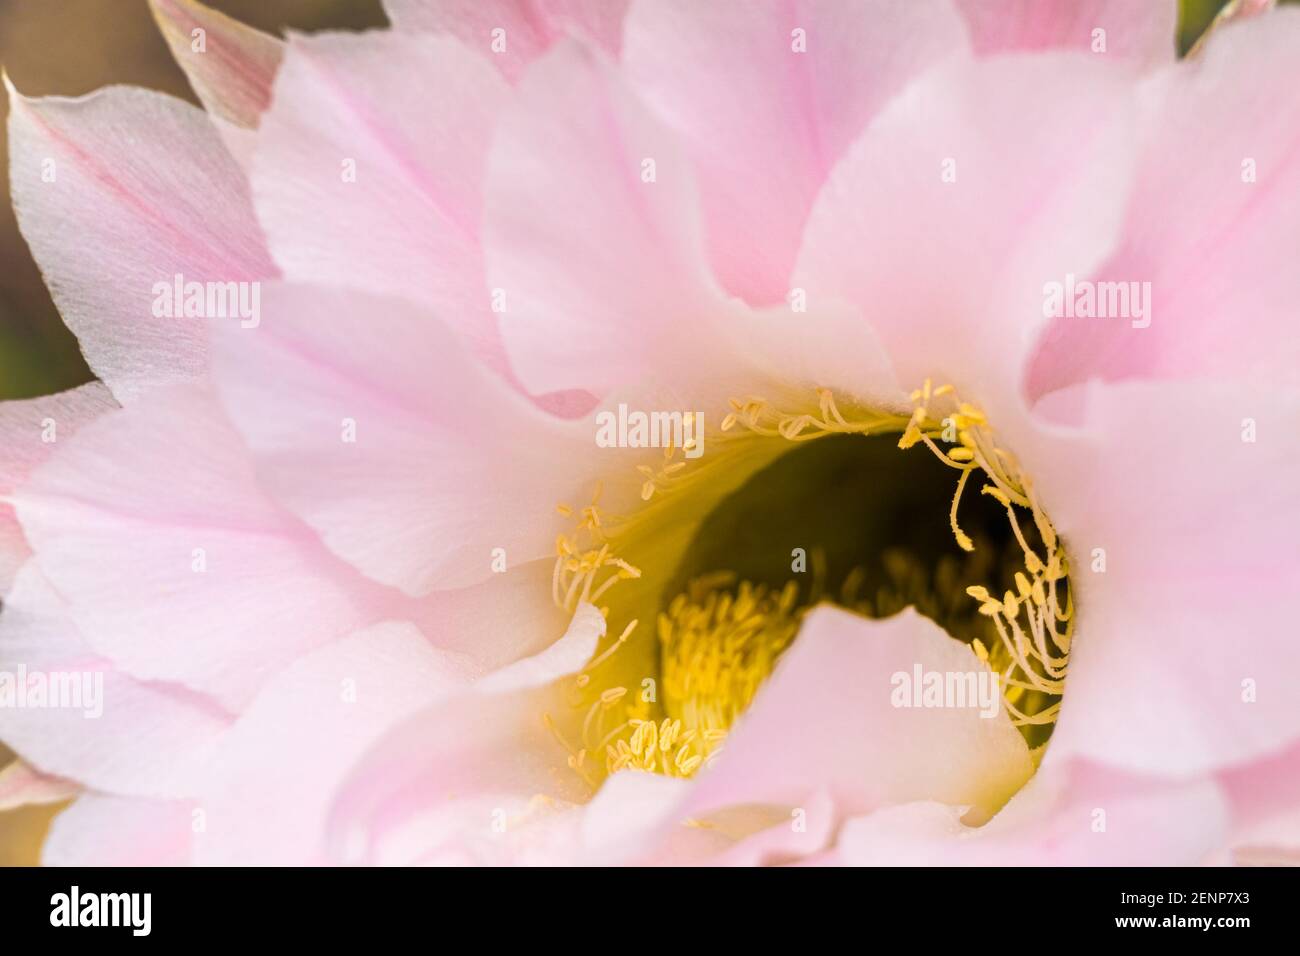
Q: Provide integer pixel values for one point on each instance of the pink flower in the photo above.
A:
(985, 309)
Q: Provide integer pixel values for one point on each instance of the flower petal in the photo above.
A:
(1143, 33)
(460, 780)
(827, 721)
(124, 735)
(767, 96)
(369, 421)
(21, 785)
(602, 271)
(233, 69)
(944, 219)
(325, 709)
(369, 171)
(1182, 554)
(101, 830)
(528, 27)
(29, 433)
(177, 567)
(1069, 814)
(1265, 800)
(1214, 242)
(116, 192)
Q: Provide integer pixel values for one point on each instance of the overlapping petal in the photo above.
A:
(154, 194)
(513, 33)
(369, 171)
(1142, 34)
(766, 97)
(1214, 242)
(370, 422)
(123, 735)
(30, 431)
(177, 566)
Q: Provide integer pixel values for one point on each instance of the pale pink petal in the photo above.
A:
(371, 423)
(770, 836)
(123, 735)
(826, 721)
(1265, 801)
(831, 345)
(1143, 32)
(823, 739)
(529, 27)
(969, 191)
(767, 96)
(21, 785)
(1234, 11)
(497, 621)
(325, 709)
(1264, 788)
(560, 658)
(1181, 533)
(1215, 242)
(230, 65)
(459, 781)
(369, 171)
(622, 821)
(116, 192)
(30, 431)
(101, 830)
(602, 271)
(1069, 814)
(1275, 842)
(175, 564)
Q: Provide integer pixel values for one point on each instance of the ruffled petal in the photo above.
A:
(109, 731)
(829, 720)
(230, 65)
(325, 709)
(1142, 33)
(370, 422)
(30, 431)
(175, 564)
(512, 33)
(1070, 814)
(594, 237)
(767, 96)
(101, 830)
(1182, 552)
(1214, 244)
(369, 171)
(943, 220)
(477, 777)
(21, 785)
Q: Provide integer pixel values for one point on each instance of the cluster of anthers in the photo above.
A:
(719, 640)
(1035, 622)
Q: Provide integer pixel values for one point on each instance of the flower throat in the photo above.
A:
(842, 513)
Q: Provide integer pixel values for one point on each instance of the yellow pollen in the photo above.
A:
(720, 639)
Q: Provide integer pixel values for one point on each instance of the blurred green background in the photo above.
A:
(70, 47)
